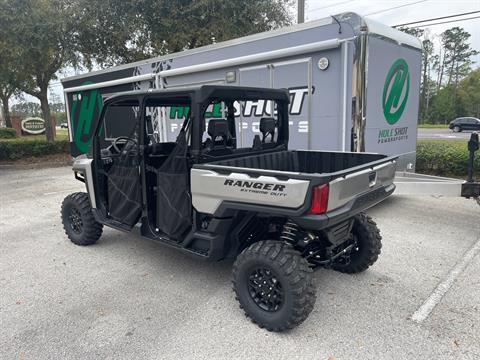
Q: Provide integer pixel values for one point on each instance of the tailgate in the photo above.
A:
(345, 188)
(217, 184)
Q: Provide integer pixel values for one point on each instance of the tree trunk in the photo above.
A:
(6, 111)
(454, 61)
(455, 90)
(424, 87)
(440, 70)
(49, 129)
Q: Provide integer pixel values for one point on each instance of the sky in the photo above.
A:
(404, 11)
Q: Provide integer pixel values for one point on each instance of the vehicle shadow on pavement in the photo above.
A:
(158, 255)
(163, 259)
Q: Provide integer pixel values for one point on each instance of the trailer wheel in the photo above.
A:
(368, 246)
(78, 220)
(273, 285)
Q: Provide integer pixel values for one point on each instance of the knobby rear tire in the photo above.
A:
(293, 274)
(369, 243)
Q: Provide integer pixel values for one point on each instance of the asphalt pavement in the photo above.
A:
(129, 298)
(439, 134)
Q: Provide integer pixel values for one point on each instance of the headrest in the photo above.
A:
(217, 127)
(267, 125)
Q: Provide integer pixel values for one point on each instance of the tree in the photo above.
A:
(120, 32)
(442, 99)
(458, 53)
(457, 57)
(427, 60)
(442, 109)
(27, 108)
(56, 103)
(417, 32)
(42, 32)
(10, 78)
(469, 94)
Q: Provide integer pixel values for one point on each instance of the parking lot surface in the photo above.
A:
(129, 298)
(439, 134)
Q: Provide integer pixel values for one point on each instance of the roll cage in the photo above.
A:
(199, 99)
(136, 159)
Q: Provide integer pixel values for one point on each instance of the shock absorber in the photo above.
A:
(295, 235)
(291, 233)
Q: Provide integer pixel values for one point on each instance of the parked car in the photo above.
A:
(464, 123)
(63, 126)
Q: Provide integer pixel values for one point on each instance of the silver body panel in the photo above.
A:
(210, 189)
(345, 189)
(84, 166)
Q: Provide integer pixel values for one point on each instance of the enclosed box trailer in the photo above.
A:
(353, 84)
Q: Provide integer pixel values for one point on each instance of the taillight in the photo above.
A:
(319, 199)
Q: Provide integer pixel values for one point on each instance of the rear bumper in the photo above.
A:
(352, 208)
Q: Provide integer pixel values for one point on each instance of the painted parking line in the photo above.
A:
(442, 288)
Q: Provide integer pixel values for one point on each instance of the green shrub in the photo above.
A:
(7, 133)
(444, 158)
(17, 149)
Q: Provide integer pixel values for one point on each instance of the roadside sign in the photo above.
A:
(33, 125)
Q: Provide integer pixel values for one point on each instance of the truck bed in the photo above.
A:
(282, 182)
(307, 162)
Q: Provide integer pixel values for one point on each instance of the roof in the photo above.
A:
(374, 27)
(203, 92)
(357, 22)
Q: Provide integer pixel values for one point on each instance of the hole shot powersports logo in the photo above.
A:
(249, 108)
(85, 106)
(395, 91)
(257, 187)
(394, 100)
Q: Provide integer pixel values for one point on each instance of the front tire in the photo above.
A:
(78, 220)
(368, 246)
(273, 285)
(457, 129)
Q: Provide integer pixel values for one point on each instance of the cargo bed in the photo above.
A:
(307, 162)
(356, 181)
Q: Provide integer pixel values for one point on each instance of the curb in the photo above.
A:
(41, 165)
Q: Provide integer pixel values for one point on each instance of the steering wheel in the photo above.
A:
(124, 138)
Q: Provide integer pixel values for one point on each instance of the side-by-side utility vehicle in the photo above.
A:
(278, 213)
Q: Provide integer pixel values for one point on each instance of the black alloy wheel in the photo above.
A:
(265, 289)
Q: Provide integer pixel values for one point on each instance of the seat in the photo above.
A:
(267, 128)
(218, 132)
(219, 142)
(257, 143)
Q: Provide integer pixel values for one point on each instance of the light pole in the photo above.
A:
(300, 11)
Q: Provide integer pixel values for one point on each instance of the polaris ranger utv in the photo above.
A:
(278, 213)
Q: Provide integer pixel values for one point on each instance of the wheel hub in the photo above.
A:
(265, 289)
(75, 219)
